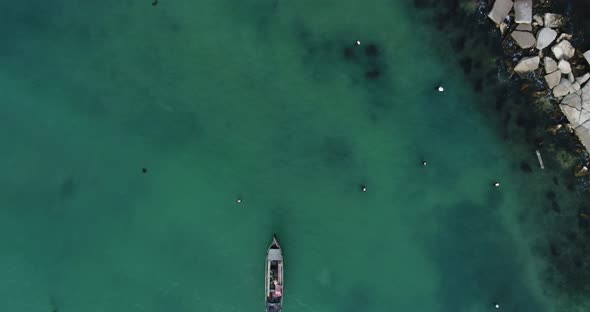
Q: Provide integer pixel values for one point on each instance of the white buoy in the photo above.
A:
(358, 42)
(440, 89)
(496, 306)
(496, 184)
(239, 200)
(364, 189)
(424, 163)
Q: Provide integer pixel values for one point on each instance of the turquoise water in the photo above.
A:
(272, 103)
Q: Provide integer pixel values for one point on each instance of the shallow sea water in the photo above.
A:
(270, 102)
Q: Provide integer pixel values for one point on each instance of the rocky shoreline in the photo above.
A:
(543, 52)
(523, 112)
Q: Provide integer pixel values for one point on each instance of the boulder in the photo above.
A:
(554, 20)
(587, 56)
(585, 107)
(564, 36)
(527, 65)
(583, 133)
(573, 100)
(576, 107)
(563, 50)
(524, 39)
(565, 67)
(550, 64)
(500, 10)
(571, 105)
(538, 19)
(583, 79)
(576, 86)
(584, 116)
(523, 11)
(563, 88)
(586, 96)
(545, 37)
(553, 79)
(524, 27)
(572, 79)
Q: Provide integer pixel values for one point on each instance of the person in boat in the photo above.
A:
(278, 290)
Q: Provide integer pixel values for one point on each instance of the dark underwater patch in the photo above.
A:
(525, 167)
(555, 206)
(366, 57)
(371, 51)
(349, 53)
(500, 101)
(67, 188)
(166, 129)
(466, 64)
(550, 194)
(422, 4)
(459, 43)
(478, 84)
(337, 152)
(373, 74)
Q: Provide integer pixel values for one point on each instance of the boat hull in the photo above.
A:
(274, 278)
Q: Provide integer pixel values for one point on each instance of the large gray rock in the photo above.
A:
(564, 36)
(587, 56)
(563, 50)
(586, 96)
(527, 65)
(523, 11)
(583, 127)
(572, 79)
(581, 80)
(524, 39)
(583, 133)
(571, 105)
(553, 79)
(550, 64)
(576, 107)
(565, 67)
(555, 20)
(500, 10)
(545, 37)
(563, 88)
(538, 19)
(573, 100)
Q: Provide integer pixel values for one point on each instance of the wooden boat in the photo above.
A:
(274, 277)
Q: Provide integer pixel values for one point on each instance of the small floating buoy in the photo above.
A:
(358, 42)
(496, 305)
(363, 188)
(440, 89)
(496, 184)
(424, 163)
(239, 201)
